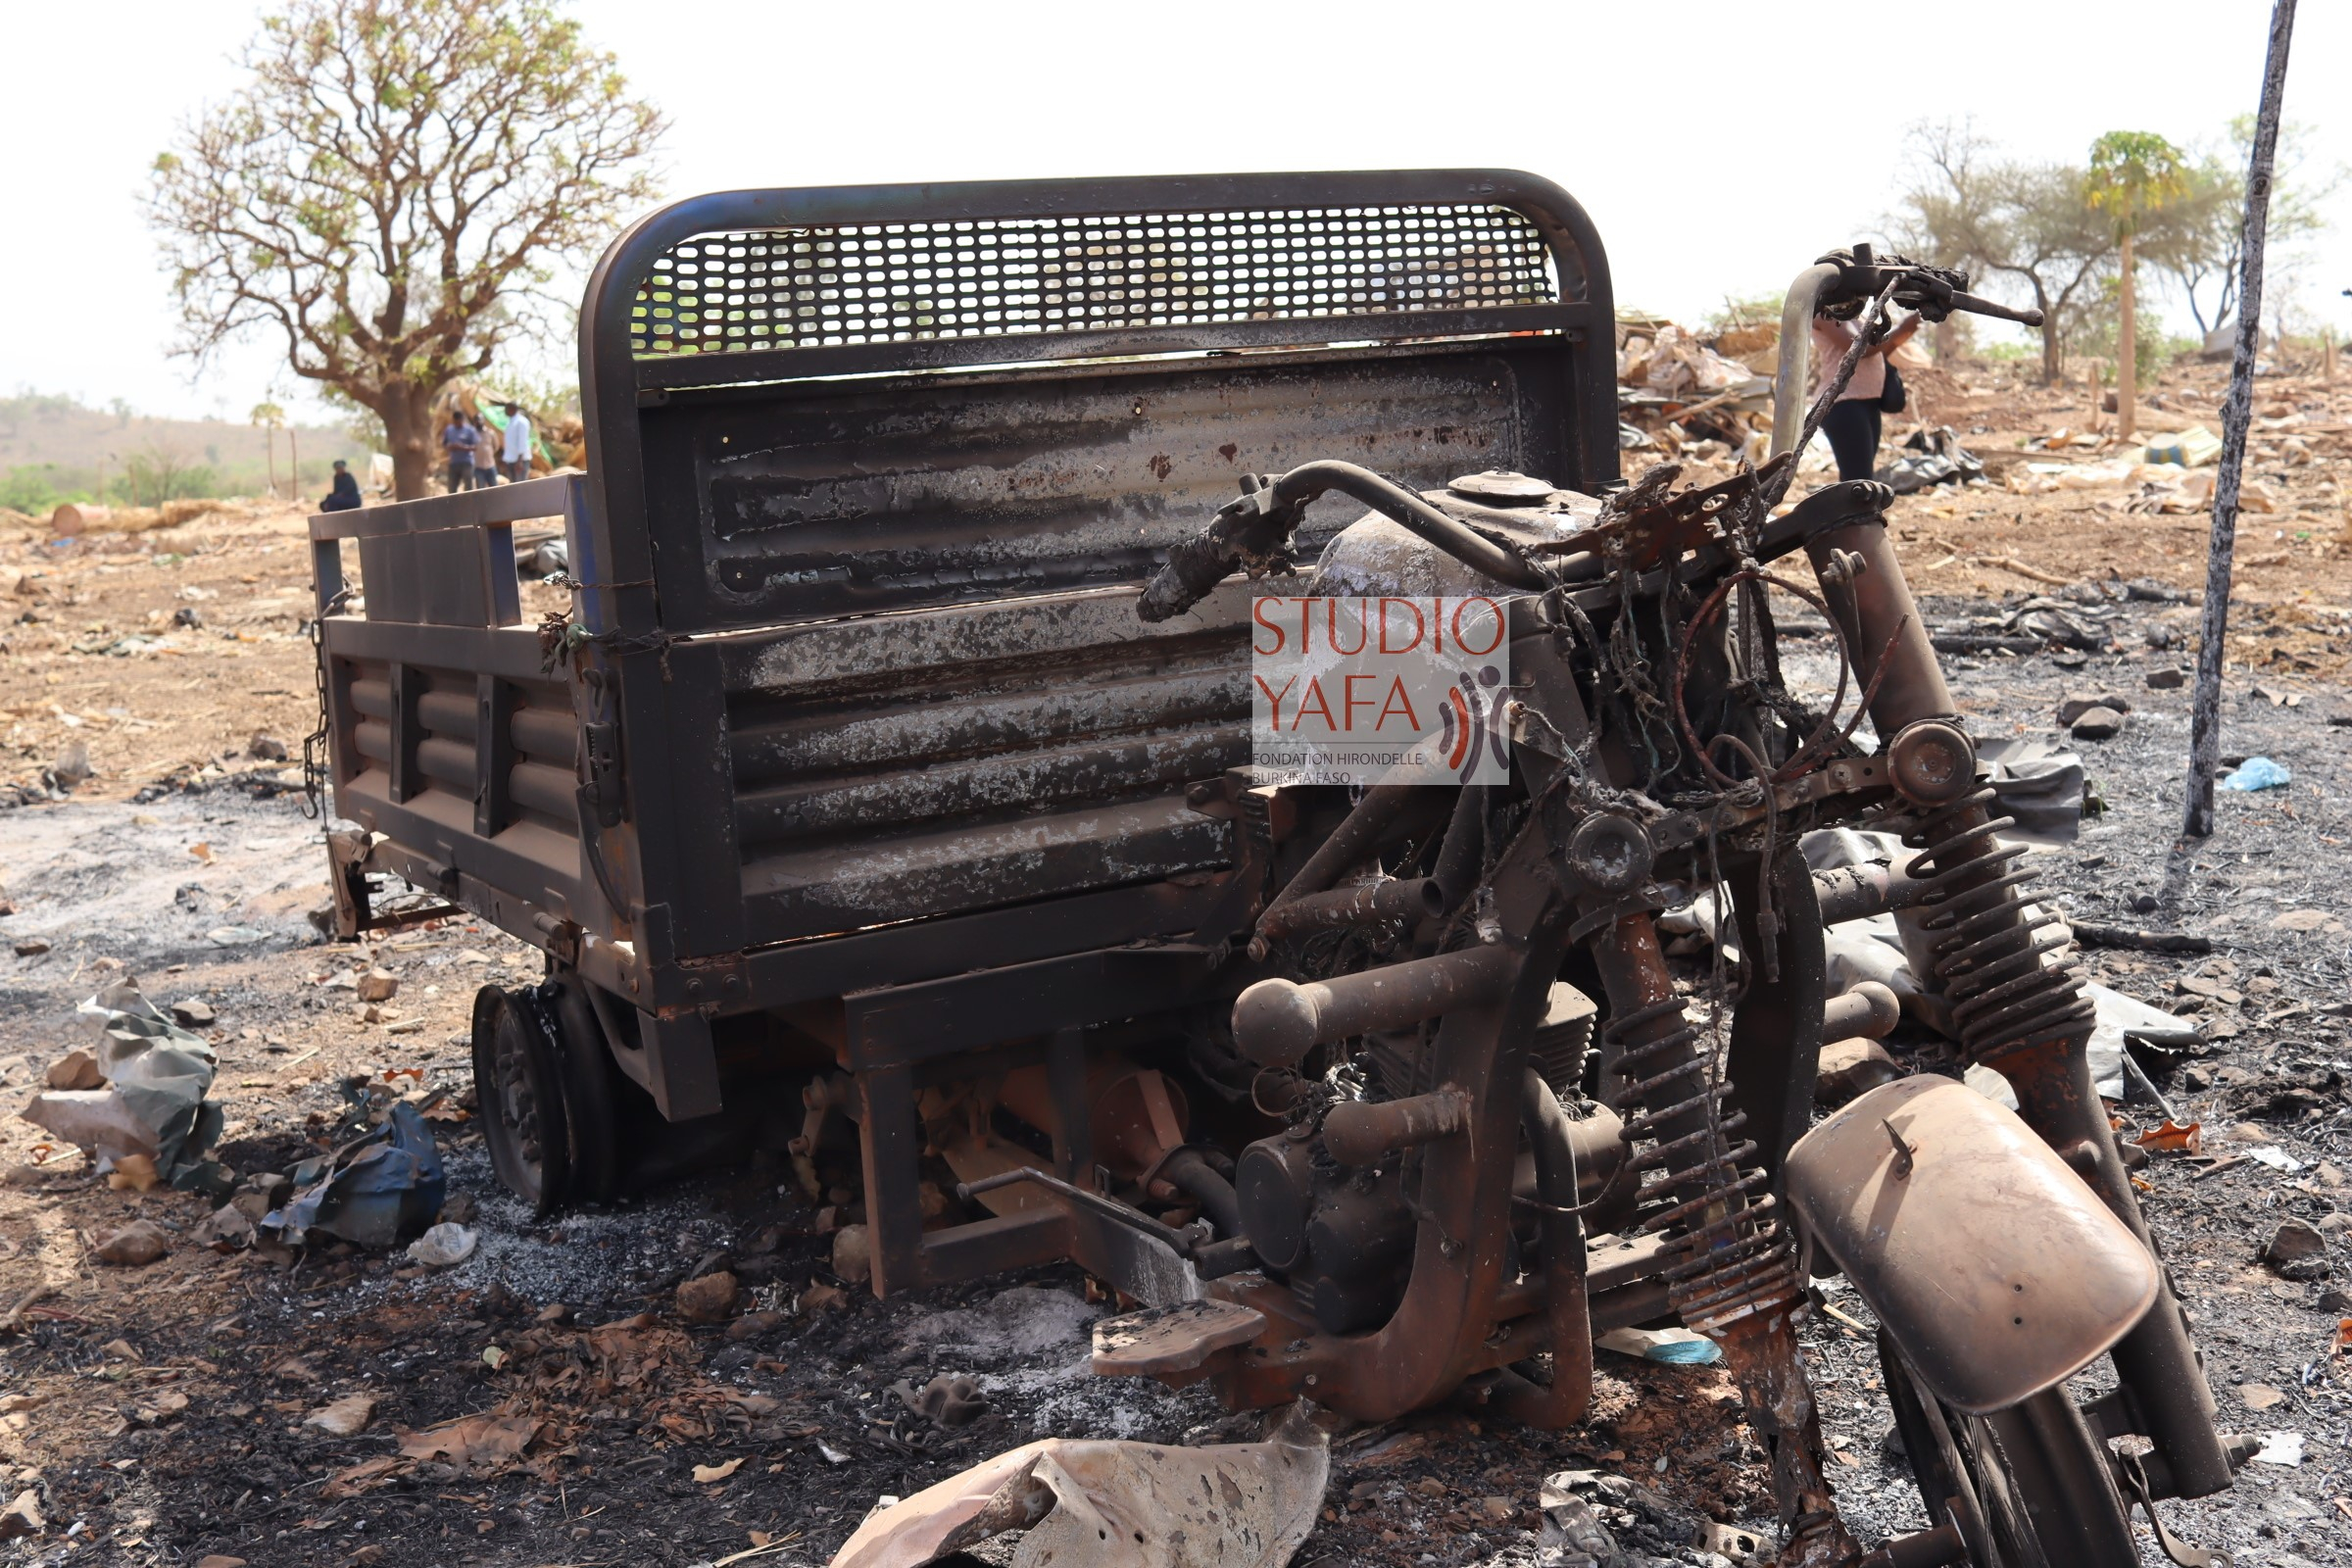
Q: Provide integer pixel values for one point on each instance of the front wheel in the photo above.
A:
(2028, 1486)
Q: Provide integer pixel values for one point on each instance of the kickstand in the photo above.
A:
(2180, 1551)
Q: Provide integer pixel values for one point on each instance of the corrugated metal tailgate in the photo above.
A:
(957, 758)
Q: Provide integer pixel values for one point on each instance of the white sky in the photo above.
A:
(1666, 120)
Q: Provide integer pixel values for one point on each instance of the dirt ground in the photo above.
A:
(165, 1413)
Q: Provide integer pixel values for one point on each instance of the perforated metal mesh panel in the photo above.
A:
(907, 283)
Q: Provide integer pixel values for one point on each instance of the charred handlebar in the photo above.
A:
(1255, 530)
(1934, 292)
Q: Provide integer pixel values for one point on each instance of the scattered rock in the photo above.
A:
(2260, 1396)
(269, 747)
(2100, 723)
(73, 765)
(444, 1245)
(134, 1173)
(2298, 1250)
(2072, 710)
(138, 1242)
(853, 1254)
(948, 1401)
(458, 1209)
(22, 1516)
(2168, 678)
(31, 947)
(708, 1300)
(76, 1070)
(1850, 1069)
(188, 615)
(229, 1228)
(218, 1560)
(2335, 1303)
(193, 1013)
(754, 1325)
(343, 1417)
(378, 985)
(823, 1299)
(2300, 921)
(554, 1313)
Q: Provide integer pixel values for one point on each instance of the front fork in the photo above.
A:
(2012, 1016)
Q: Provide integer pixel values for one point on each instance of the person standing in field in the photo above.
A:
(1854, 424)
(457, 444)
(514, 452)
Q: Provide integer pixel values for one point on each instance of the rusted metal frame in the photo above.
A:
(660, 375)
(1442, 1331)
(895, 1025)
(497, 507)
(1073, 1128)
(494, 755)
(1776, 1032)
(610, 376)
(951, 945)
(681, 798)
(1348, 845)
(1759, 1346)
(1567, 1309)
(2157, 1361)
(1276, 1022)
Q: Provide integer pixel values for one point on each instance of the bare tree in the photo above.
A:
(2028, 227)
(2196, 238)
(268, 417)
(389, 192)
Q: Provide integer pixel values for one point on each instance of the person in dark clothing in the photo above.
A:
(1853, 424)
(345, 496)
(457, 442)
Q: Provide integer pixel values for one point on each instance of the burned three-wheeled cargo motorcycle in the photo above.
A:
(893, 766)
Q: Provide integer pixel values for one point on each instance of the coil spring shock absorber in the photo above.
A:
(1739, 1260)
(2003, 995)
(1737, 1280)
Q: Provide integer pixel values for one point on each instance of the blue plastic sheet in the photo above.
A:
(381, 1188)
(2258, 773)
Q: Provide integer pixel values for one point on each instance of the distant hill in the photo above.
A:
(54, 448)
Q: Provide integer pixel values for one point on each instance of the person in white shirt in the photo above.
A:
(514, 451)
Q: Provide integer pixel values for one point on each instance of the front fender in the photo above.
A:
(1997, 1272)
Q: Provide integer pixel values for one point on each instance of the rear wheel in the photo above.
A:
(518, 1085)
(2030, 1486)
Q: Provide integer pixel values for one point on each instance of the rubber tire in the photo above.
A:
(591, 1090)
(2032, 1487)
(532, 1161)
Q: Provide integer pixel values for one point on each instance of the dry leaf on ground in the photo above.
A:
(473, 1441)
(717, 1472)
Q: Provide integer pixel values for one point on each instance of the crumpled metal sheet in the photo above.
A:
(380, 1187)
(1117, 1505)
(157, 1077)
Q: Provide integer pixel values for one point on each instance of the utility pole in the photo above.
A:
(2238, 412)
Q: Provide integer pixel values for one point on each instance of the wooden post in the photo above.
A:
(2238, 412)
(2126, 358)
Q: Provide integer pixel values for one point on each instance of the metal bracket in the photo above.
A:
(2135, 1480)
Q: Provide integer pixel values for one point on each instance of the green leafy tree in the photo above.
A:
(391, 191)
(2020, 229)
(2132, 174)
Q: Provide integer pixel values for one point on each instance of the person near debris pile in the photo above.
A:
(514, 454)
(458, 441)
(345, 495)
(1855, 423)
